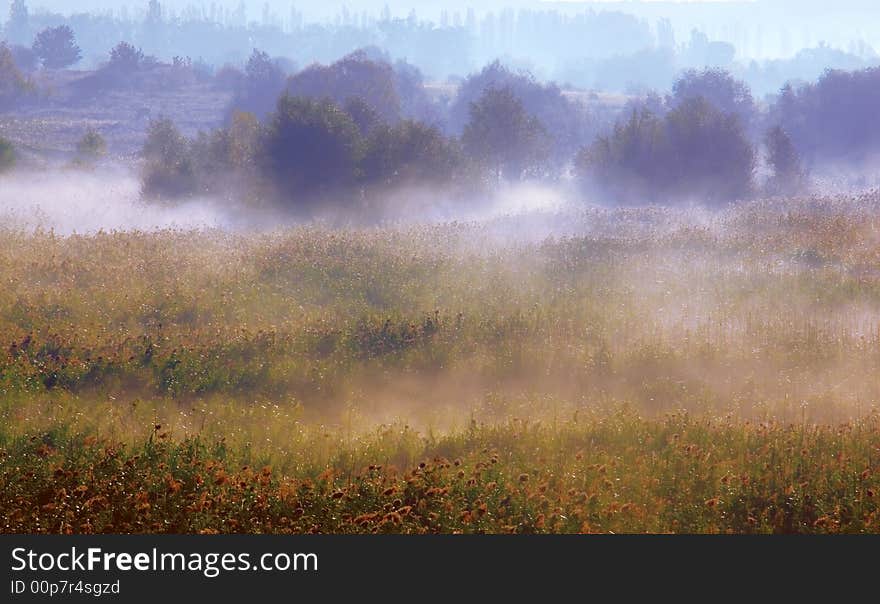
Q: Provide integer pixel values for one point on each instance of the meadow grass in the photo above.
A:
(621, 370)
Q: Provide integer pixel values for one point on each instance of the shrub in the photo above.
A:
(835, 118)
(694, 152)
(258, 87)
(168, 164)
(409, 152)
(502, 136)
(788, 175)
(225, 159)
(311, 147)
(90, 148)
(565, 121)
(7, 155)
(357, 75)
(719, 88)
(124, 57)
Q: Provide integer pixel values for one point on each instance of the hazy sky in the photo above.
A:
(806, 23)
(318, 8)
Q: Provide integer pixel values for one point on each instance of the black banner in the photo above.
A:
(241, 568)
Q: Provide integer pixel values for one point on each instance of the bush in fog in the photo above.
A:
(503, 137)
(694, 152)
(7, 155)
(14, 86)
(788, 174)
(125, 58)
(357, 75)
(310, 148)
(718, 87)
(225, 159)
(712, 156)
(90, 148)
(628, 163)
(408, 153)
(565, 121)
(168, 169)
(258, 87)
(834, 118)
(56, 47)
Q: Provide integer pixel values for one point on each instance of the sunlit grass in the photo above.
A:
(720, 368)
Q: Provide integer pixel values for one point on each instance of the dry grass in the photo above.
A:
(670, 371)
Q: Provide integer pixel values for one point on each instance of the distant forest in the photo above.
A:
(594, 49)
(306, 134)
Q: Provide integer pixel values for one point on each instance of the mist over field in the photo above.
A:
(69, 202)
(522, 267)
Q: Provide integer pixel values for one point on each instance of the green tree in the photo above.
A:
(788, 175)
(502, 136)
(695, 152)
(408, 152)
(169, 170)
(56, 47)
(711, 157)
(258, 90)
(365, 117)
(311, 147)
(628, 163)
(90, 148)
(225, 159)
(354, 76)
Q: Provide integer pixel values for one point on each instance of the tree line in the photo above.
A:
(364, 125)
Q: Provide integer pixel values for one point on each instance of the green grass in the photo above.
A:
(754, 332)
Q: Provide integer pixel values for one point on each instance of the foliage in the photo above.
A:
(788, 175)
(311, 147)
(693, 152)
(727, 94)
(56, 47)
(362, 113)
(225, 160)
(168, 165)
(565, 122)
(407, 153)
(356, 75)
(833, 119)
(7, 155)
(504, 137)
(125, 58)
(259, 87)
(90, 148)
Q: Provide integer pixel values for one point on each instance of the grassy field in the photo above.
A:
(639, 370)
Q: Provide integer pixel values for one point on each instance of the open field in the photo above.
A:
(70, 102)
(601, 370)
